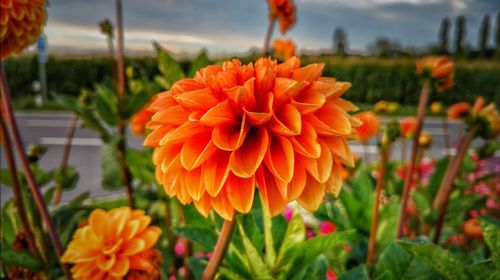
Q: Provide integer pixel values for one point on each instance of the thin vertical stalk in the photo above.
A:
(220, 249)
(188, 246)
(403, 150)
(269, 35)
(9, 118)
(365, 154)
(380, 186)
(424, 98)
(16, 189)
(170, 236)
(441, 201)
(446, 136)
(122, 127)
(65, 157)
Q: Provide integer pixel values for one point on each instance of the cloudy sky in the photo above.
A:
(234, 26)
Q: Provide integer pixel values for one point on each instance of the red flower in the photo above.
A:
(326, 228)
(330, 275)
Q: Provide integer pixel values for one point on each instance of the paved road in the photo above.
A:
(50, 129)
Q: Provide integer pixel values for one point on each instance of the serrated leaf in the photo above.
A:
(110, 166)
(8, 221)
(107, 104)
(203, 236)
(67, 177)
(197, 266)
(256, 263)
(357, 273)
(441, 260)
(491, 233)
(436, 178)
(6, 179)
(199, 62)
(20, 259)
(295, 234)
(167, 65)
(141, 165)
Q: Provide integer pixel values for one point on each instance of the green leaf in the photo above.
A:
(314, 271)
(295, 234)
(203, 236)
(197, 266)
(441, 260)
(167, 65)
(20, 259)
(110, 166)
(107, 104)
(199, 62)
(6, 179)
(68, 102)
(270, 255)
(257, 264)
(10, 222)
(136, 102)
(491, 233)
(397, 263)
(357, 273)
(252, 230)
(67, 177)
(484, 270)
(388, 221)
(436, 178)
(141, 165)
(79, 199)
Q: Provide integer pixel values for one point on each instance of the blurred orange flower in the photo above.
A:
(437, 68)
(369, 127)
(459, 110)
(473, 229)
(424, 139)
(436, 108)
(284, 11)
(408, 126)
(381, 106)
(20, 24)
(113, 244)
(281, 127)
(284, 48)
(139, 120)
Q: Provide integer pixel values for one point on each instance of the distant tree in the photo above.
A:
(340, 41)
(444, 35)
(460, 34)
(497, 35)
(484, 34)
(385, 47)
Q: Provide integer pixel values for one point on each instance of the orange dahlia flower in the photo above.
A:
(381, 106)
(437, 68)
(139, 120)
(459, 110)
(369, 127)
(408, 126)
(284, 48)
(436, 108)
(113, 244)
(284, 11)
(20, 24)
(473, 229)
(281, 127)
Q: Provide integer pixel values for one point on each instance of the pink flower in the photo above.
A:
(172, 278)
(288, 213)
(310, 233)
(200, 255)
(326, 228)
(180, 247)
(330, 275)
(482, 189)
(209, 255)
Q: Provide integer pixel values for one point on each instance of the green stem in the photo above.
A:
(220, 249)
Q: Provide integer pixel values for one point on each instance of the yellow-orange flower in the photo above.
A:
(284, 11)
(392, 107)
(381, 106)
(408, 126)
(369, 127)
(436, 108)
(424, 139)
(491, 119)
(459, 110)
(113, 244)
(281, 127)
(284, 48)
(20, 24)
(139, 120)
(437, 68)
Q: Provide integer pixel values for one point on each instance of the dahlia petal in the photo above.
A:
(307, 142)
(331, 88)
(334, 183)
(203, 205)
(339, 148)
(240, 192)
(106, 262)
(202, 99)
(286, 68)
(119, 218)
(183, 133)
(308, 73)
(222, 205)
(280, 158)
(186, 85)
(169, 183)
(180, 188)
(163, 100)
(243, 95)
(171, 165)
(313, 194)
(99, 222)
(286, 89)
(271, 196)
(138, 262)
(335, 118)
(263, 110)
(298, 182)
(215, 172)
(220, 114)
(264, 81)
(226, 79)
(286, 121)
(193, 182)
(133, 247)
(245, 160)
(309, 101)
(131, 229)
(319, 126)
(120, 268)
(230, 136)
(150, 236)
(320, 168)
(344, 104)
(196, 151)
(175, 115)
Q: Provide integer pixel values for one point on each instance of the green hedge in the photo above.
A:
(372, 79)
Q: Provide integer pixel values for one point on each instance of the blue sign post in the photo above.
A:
(41, 51)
